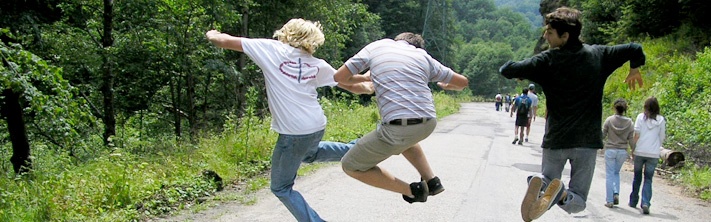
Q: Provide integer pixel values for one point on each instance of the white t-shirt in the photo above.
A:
(534, 99)
(291, 77)
(534, 104)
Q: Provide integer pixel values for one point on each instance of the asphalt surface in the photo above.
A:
(484, 176)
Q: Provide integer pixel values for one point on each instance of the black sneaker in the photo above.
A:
(615, 199)
(419, 190)
(645, 209)
(435, 186)
(520, 142)
(515, 140)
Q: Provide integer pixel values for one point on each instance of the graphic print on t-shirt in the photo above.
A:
(299, 71)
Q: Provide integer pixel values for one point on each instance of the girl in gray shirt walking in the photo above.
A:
(618, 132)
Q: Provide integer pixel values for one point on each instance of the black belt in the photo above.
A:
(410, 121)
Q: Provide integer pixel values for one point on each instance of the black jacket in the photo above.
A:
(573, 78)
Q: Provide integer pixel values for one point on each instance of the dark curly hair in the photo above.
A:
(620, 106)
(564, 20)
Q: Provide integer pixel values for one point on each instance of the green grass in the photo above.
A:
(697, 180)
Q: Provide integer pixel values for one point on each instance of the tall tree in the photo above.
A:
(107, 86)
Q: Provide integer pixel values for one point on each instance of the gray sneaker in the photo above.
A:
(549, 198)
(534, 190)
(645, 209)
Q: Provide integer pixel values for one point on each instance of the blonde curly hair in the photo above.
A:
(300, 33)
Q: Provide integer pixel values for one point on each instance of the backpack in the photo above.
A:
(523, 106)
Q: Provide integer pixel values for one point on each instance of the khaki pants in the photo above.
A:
(387, 140)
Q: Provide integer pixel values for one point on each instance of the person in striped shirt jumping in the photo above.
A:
(400, 70)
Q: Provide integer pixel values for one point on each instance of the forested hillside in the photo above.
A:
(130, 94)
(528, 8)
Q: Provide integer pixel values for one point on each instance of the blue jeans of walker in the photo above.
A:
(290, 151)
(614, 158)
(582, 168)
(643, 166)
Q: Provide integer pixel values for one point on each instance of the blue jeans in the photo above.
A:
(582, 168)
(289, 152)
(643, 166)
(614, 158)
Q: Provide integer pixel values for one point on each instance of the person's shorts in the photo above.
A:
(387, 140)
(530, 119)
(522, 121)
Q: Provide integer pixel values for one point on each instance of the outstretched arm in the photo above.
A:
(458, 83)
(359, 88)
(345, 76)
(224, 41)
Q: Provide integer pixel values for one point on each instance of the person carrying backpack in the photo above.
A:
(521, 106)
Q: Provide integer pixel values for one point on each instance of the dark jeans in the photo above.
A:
(643, 166)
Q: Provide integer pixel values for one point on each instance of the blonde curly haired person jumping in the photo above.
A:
(291, 75)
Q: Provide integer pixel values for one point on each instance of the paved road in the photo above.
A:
(484, 176)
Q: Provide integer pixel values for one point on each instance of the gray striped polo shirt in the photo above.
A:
(400, 73)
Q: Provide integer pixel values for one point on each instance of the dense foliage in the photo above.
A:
(146, 64)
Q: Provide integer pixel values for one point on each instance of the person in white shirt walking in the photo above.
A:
(650, 133)
(534, 108)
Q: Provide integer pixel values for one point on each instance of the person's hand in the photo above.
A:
(211, 34)
(634, 76)
(442, 85)
(369, 87)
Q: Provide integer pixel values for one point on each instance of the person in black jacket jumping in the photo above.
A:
(573, 128)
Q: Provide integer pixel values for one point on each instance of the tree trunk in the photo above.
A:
(240, 86)
(192, 120)
(12, 111)
(107, 87)
(175, 96)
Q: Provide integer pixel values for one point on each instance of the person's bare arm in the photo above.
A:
(458, 83)
(345, 76)
(224, 41)
(359, 88)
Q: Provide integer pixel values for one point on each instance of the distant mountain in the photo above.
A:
(529, 9)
